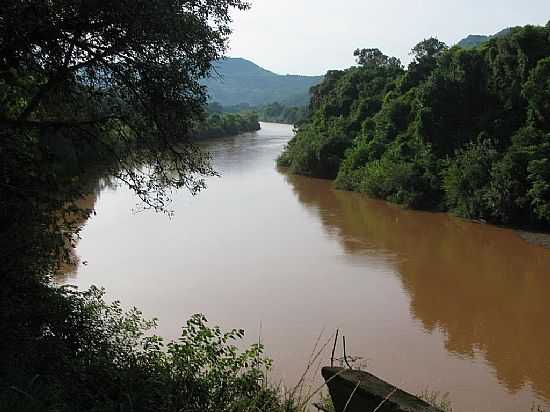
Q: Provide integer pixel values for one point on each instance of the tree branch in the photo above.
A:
(56, 123)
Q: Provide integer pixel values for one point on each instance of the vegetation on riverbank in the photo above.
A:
(278, 113)
(463, 130)
(96, 357)
(84, 89)
(273, 112)
(226, 124)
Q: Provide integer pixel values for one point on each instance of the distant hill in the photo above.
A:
(474, 40)
(240, 81)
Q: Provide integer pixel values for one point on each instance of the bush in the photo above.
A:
(94, 356)
(539, 193)
(466, 180)
(399, 181)
(226, 124)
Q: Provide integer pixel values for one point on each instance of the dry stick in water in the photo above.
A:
(351, 396)
(316, 391)
(385, 399)
(345, 355)
(333, 349)
(314, 356)
(312, 359)
(258, 355)
(318, 368)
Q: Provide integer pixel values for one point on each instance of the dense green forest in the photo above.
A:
(273, 112)
(91, 90)
(219, 124)
(237, 81)
(462, 130)
(279, 113)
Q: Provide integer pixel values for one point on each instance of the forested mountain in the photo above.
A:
(474, 40)
(237, 81)
(462, 129)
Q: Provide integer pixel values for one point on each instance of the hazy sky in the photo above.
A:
(313, 36)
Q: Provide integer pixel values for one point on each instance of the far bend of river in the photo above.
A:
(430, 300)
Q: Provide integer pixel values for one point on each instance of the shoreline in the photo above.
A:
(533, 237)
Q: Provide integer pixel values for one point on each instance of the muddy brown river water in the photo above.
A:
(430, 301)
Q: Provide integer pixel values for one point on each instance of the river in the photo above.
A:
(428, 300)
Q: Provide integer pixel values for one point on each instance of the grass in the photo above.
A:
(437, 399)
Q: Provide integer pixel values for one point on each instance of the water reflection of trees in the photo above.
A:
(95, 184)
(483, 286)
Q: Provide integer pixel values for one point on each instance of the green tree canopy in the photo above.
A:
(537, 91)
(106, 82)
(428, 48)
(91, 68)
(375, 58)
(464, 130)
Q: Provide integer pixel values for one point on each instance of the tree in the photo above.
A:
(461, 129)
(537, 92)
(88, 87)
(103, 81)
(87, 69)
(425, 56)
(428, 49)
(467, 177)
(375, 58)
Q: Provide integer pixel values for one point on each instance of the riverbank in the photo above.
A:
(406, 136)
(227, 124)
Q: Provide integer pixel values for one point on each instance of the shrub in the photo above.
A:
(467, 177)
(94, 356)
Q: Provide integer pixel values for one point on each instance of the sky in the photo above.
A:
(313, 36)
